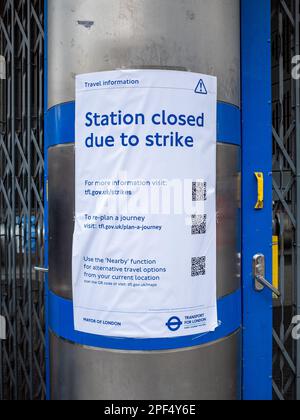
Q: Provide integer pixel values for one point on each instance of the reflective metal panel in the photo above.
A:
(210, 372)
(61, 219)
(197, 35)
(61, 191)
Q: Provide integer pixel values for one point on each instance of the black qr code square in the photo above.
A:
(199, 191)
(199, 224)
(198, 266)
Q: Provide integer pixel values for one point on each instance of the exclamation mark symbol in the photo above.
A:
(201, 88)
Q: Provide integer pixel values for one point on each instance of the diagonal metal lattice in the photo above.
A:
(22, 354)
(286, 193)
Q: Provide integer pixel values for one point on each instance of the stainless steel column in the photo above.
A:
(95, 35)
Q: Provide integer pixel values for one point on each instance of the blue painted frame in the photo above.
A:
(256, 224)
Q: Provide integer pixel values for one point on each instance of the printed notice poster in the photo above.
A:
(144, 252)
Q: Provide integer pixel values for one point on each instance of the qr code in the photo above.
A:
(198, 266)
(199, 191)
(199, 224)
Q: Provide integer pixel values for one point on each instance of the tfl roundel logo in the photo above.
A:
(174, 324)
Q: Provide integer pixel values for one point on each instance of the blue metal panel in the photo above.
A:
(62, 324)
(60, 124)
(257, 224)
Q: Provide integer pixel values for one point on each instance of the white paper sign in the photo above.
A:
(144, 253)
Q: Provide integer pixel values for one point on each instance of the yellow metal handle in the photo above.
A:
(260, 190)
(275, 264)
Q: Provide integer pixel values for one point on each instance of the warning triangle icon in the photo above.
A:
(201, 88)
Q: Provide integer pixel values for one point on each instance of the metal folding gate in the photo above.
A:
(21, 199)
(286, 196)
(22, 354)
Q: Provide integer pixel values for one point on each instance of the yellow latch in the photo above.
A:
(260, 190)
(275, 263)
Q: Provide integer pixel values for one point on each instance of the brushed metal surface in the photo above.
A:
(210, 372)
(61, 213)
(94, 35)
(228, 219)
(61, 219)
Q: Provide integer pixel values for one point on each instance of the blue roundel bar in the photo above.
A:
(60, 124)
(61, 323)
